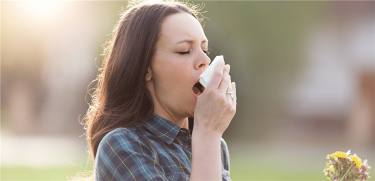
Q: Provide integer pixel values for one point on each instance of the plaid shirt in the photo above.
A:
(122, 155)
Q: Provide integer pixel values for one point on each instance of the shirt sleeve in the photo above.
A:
(225, 161)
(225, 155)
(123, 156)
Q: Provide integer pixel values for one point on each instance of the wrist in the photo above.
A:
(206, 134)
(206, 155)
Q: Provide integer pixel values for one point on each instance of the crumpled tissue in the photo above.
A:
(206, 76)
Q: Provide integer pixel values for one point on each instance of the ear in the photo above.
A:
(149, 74)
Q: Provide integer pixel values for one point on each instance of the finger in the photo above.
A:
(228, 78)
(225, 82)
(228, 95)
(234, 102)
(217, 76)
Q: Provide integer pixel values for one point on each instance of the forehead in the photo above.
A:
(181, 26)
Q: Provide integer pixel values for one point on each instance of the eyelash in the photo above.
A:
(183, 53)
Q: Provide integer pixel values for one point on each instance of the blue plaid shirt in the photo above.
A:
(123, 155)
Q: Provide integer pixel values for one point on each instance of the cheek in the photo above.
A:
(171, 69)
(173, 82)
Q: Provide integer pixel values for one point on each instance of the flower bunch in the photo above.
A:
(346, 167)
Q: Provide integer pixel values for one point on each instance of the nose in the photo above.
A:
(202, 61)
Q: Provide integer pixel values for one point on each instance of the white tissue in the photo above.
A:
(205, 77)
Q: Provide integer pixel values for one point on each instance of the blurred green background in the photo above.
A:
(304, 71)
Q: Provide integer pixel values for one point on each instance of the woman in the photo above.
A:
(148, 87)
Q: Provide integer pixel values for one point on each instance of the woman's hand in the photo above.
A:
(214, 111)
(215, 108)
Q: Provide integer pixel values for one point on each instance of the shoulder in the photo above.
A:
(111, 151)
(119, 132)
(118, 135)
(121, 155)
(121, 140)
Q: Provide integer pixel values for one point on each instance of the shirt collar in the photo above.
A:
(162, 128)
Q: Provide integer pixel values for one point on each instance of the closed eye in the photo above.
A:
(183, 53)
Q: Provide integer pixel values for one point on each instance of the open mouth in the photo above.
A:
(198, 89)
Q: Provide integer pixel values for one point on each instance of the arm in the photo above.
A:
(214, 111)
(206, 161)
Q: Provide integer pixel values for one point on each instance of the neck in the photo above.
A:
(182, 122)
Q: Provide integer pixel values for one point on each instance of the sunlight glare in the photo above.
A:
(44, 9)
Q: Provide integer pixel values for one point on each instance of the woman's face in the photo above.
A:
(179, 59)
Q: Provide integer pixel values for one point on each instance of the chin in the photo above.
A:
(191, 114)
(191, 107)
(192, 111)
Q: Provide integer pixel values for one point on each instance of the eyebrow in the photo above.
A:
(191, 41)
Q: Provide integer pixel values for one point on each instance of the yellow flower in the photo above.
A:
(340, 154)
(357, 160)
(331, 157)
(328, 164)
(331, 168)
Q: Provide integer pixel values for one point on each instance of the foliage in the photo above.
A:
(345, 167)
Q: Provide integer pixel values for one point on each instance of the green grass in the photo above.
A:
(28, 174)
(261, 173)
(268, 168)
(242, 168)
(237, 173)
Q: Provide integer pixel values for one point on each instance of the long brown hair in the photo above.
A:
(121, 98)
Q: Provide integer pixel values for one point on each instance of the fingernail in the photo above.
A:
(234, 84)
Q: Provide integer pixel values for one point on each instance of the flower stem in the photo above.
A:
(346, 173)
